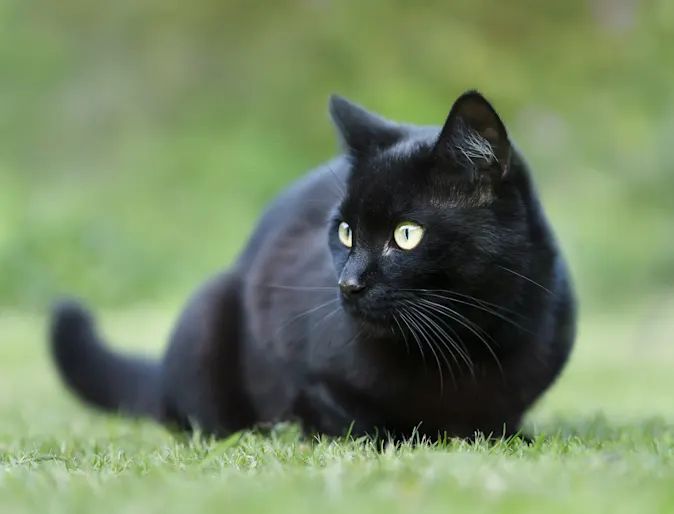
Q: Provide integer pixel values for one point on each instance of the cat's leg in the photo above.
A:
(202, 372)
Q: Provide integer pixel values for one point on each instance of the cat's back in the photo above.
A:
(298, 213)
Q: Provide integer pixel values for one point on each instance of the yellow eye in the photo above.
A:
(407, 235)
(345, 235)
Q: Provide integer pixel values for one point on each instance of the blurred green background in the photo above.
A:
(140, 140)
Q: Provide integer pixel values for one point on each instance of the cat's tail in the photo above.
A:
(100, 377)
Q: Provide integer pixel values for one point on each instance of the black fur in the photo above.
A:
(457, 336)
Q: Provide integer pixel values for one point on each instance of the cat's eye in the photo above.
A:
(345, 234)
(407, 235)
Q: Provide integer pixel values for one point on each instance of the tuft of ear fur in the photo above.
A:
(474, 135)
(360, 131)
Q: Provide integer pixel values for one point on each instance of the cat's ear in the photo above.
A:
(361, 131)
(474, 136)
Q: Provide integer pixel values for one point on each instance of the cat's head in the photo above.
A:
(429, 212)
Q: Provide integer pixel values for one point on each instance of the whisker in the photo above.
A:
(340, 182)
(323, 320)
(459, 318)
(493, 312)
(339, 195)
(356, 336)
(482, 308)
(464, 295)
(405, 319)
(328, 316)
(455, 315)
(428, 322)
(463, 351)
(444, 337)
(309, 311)
(300, 288)
(414, 319)
(401, 331)
(526, 278)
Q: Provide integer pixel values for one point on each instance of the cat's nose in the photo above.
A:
(351, 288)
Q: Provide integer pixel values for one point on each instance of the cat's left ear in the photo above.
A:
(360, 131)
(474, 135)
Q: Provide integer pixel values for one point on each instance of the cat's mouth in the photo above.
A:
(373, 317)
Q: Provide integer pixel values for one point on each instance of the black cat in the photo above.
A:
(411, 285)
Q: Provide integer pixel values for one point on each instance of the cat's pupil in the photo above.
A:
(407, 233)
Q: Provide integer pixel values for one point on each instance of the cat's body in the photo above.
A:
(461, 333)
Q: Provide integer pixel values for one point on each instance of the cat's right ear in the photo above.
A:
(361, 131)
(474, 136)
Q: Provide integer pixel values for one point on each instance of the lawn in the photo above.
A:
(606, 443)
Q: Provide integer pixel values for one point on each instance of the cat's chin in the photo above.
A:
(374, 325)
(377, 329)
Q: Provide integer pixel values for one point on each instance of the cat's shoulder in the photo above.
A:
(309, 199)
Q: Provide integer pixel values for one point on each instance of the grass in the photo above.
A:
(605, 443)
